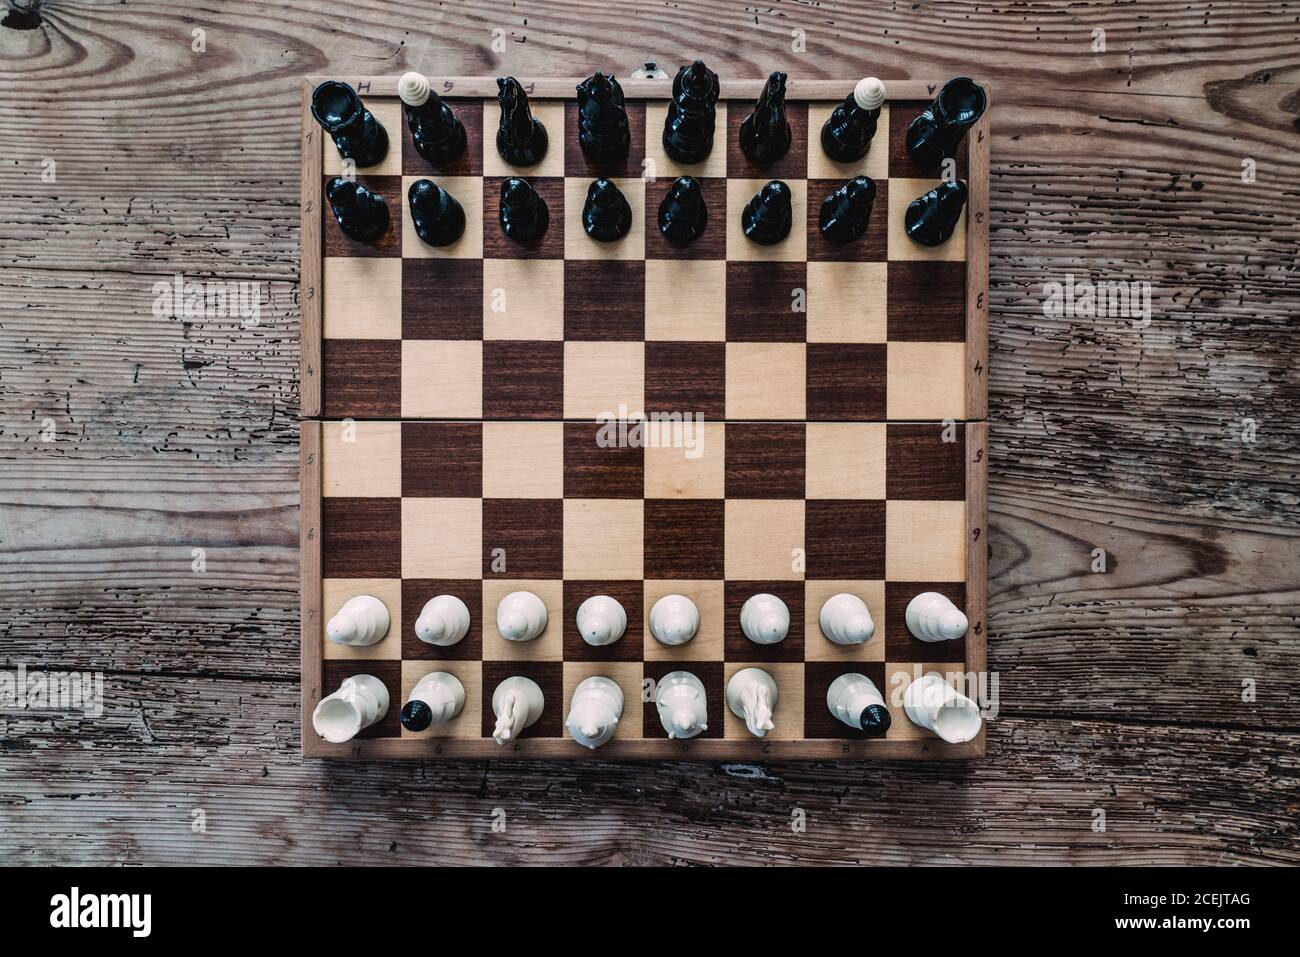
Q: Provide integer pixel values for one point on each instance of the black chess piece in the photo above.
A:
(606, 215)
(875, 720)
(935, 135)
(355, 131)
(524, 214)
(521, 137)
(416, 715)
(768, 216)
(439, 219)
(846, 212)
(765, 134)
(688, 130)
(847, 132)
(931, 217)
(682, 214)
(602, 119)
(361, 213)
(438, 135)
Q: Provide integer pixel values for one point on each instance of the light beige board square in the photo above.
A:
(467, 724)
(898, 675)
(658, 163)
(442, 537)
(548, 646)
(386, 111)
(707, 645)
(817, 647)
(551, 113)
(844, 460)
(700, 315)
(628, 675)
(363, 298)
(766, 380)
(820, 166)
(578, 245)
(336, 591)
(925, 541)
(901, 194)
(847, 302)
(764, 539)
(794, 248)
(602, 538)
(926, 380)
(601, 376)
(694, 469)
(442, 379)
(361, 459)
(523, 460)
(523, 299)
(468, 191)
(787, 716)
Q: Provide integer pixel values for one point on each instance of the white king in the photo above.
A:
(683, 709)
(594, 711)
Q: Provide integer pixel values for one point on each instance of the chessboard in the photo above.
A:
(468, 428)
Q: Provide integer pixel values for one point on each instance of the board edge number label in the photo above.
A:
(448, 86)
(979, 300)
(979, 455)
(976, 531)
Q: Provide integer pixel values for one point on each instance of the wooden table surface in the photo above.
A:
(1146, 713)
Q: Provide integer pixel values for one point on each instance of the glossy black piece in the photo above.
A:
(361, 213)
(524, 214)
(439, 220)
(768, 216)
(606, 215)
(355, 131)
(934, 135)
(602, 119)
(765, 134)
(688, 129)
(416, 716)
(521, 137)
(682, 214)
(438, 135)
(847, 132)
(931, 217)
(846, 211)
(874, 720)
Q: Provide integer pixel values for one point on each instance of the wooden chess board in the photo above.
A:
(453, 440)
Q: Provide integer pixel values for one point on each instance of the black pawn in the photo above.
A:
(682, 214)
(417, 716)
(355, 131)
(521, 137)
(606, 216)
(765, 134)
(768, 215)
(438, 135)
(524, 214)
(935, 135)
(361, 213)
(603, 132)
(847, 132)
(846, 211)
(688, 129)
(874, 720)
(439, 220)
(931, 217)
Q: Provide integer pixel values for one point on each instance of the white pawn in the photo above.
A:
(413, 89)
(601, 620)
(683, 709)
(856, 701)
(674, 619)
(361, 701)
(521, 616)
(931, 703)
(594, 711)
(751, 694)
(436, 699)
(932, 617)
(846, 620)
(517, 703)
(765, 619)
(363, 620)
(444, 620)
(869, 94)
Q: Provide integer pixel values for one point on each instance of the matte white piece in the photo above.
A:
(360, 701)
(601, 620)
(444, 620)
(751, 694)
(931, 703)
(932, 617)
(846, 620)
(594, 711)
(363, 620)
(413, 89)
(869, 94)
(521, 616)
(442, 692)
(764, 619)
(683, 709)
(856, 701)
(517, 702)
(674, 619)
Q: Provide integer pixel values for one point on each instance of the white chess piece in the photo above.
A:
(413, 89)
(601, 620)
(360, 701)
(594, 711)
(932, 617)
(683, 709)
(931, 703)
(436, 699)
(444, 620)
(869, 94)
(856, 701)
(517, 703)
(751, 694)
(521, 616)
(363, 620)
(674, 619)
(846, 620)
(764, 619)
